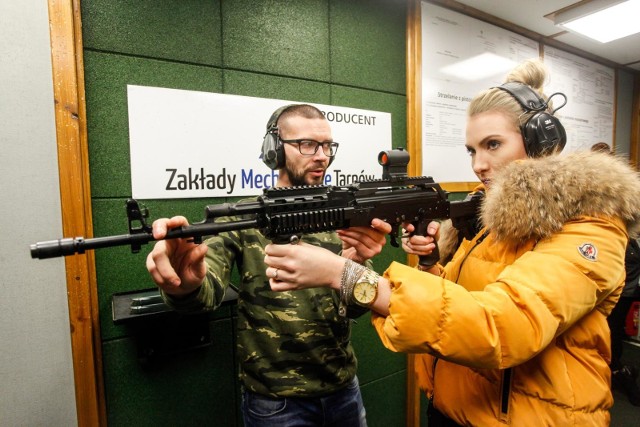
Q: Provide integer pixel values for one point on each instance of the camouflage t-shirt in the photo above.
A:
(290, 343)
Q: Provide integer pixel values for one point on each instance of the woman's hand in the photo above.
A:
(421, 245)
(302, 266)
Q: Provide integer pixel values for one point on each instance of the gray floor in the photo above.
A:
(623, 413)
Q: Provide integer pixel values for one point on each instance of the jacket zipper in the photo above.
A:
(507, 373)
(505, 394)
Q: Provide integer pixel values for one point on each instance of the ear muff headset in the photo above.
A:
(542, 133)
(272, 148)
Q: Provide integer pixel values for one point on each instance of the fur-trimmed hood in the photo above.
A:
(533, 198)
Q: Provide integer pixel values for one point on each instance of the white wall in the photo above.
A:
(36, 372)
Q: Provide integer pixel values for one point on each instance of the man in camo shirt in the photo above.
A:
(296, 360)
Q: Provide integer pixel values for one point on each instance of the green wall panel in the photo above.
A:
(107, 77)
(385, 401)
(374, 360)
(178, 30)
(275, 87)
(193, 388)
(388, 255)
(288, 38)
(368, 44)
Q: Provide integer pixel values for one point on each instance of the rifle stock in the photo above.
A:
(284, 214)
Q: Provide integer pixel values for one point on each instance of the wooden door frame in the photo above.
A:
(414, 147)
(75, 196)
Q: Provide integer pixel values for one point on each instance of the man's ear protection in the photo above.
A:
(542, 133)
(272, 148)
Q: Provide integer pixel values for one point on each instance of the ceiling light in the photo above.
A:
(479, 67)
(601, 20)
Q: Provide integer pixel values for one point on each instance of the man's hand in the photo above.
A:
(362, 243)
(177, 266)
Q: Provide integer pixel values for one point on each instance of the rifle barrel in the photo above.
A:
(78, 245)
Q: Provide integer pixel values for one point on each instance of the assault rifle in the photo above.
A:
(284, 214)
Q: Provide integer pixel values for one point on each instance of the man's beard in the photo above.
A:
(297, 179)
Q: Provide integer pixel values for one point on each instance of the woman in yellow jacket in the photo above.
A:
(513, 330)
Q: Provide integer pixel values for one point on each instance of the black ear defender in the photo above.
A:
(542, 133)
(272, 148)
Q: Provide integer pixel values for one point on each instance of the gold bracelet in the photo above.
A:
(350, 274)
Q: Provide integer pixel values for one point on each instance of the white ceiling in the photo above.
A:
(529, 14)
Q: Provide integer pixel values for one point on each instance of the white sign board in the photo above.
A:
(188, 144)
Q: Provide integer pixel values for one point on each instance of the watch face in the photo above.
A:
(365, 292)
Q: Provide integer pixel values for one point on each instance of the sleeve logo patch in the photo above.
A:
(588, 251)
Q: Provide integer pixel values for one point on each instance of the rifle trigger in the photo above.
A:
(394, 241)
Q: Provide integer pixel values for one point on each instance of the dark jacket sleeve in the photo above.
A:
(632, 267)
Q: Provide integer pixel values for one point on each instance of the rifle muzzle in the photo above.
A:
(56, 248)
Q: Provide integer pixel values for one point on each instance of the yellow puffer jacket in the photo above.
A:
(517, 320)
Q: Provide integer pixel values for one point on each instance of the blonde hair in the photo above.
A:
(602, 147)
(532, 73)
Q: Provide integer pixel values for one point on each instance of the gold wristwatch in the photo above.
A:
(365, 290)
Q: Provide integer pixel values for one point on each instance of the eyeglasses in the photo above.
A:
(309, 147)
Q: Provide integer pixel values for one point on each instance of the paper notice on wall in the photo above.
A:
(461, 56)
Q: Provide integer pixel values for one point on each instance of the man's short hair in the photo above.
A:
(303, 110)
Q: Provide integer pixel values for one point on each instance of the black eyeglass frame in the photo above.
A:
(332, 145)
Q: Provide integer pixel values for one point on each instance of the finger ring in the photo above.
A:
(275, 273)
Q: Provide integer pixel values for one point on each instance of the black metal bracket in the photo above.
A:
(158, 329)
